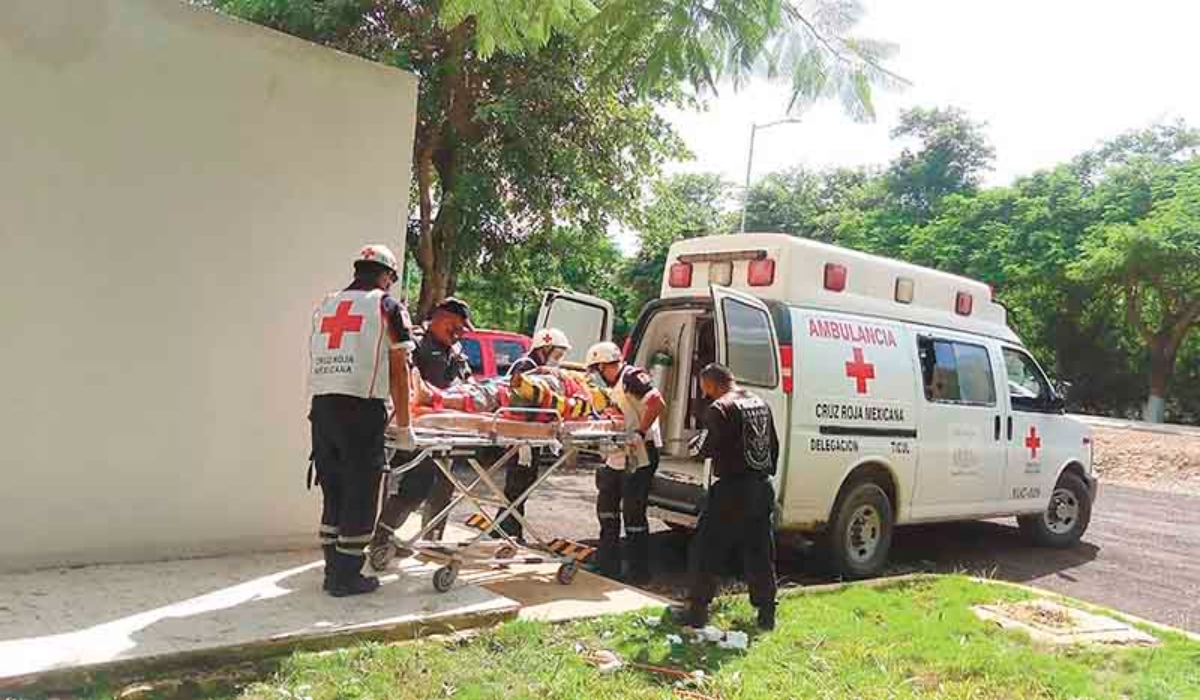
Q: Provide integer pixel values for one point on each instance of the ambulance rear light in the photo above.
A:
(785, 364)
(963, 303)
(680, 275)
(761, 273)
(835, 277)
(904, 290)
(627, 348)
(721, 273)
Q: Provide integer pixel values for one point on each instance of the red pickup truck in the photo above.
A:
(491, 353)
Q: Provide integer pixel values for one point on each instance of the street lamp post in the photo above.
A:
(750, 162)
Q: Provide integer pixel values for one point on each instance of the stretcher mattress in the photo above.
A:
(493, 426)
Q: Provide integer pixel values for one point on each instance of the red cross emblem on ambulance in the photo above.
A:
(341, 323)
(860, 371)
(1033, 442)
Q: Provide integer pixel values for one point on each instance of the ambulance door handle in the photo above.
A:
(1010, 428)
(997, 428)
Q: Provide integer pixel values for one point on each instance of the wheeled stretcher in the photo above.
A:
(446, 437)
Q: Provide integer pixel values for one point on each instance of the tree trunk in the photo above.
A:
(1162, 366)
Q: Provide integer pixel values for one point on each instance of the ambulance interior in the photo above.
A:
(688, 337)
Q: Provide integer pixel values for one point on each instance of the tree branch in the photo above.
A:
(839, 54)
(1133, 312)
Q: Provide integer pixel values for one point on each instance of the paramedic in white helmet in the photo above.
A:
(360, 339)
(624, 481)
(548, 349)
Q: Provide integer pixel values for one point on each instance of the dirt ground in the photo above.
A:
(1148, 460)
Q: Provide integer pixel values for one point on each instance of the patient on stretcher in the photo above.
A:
(572, 395)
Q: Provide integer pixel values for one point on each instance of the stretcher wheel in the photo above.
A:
(566, 572)
(381, 556)
(506, 551)
(444, 577)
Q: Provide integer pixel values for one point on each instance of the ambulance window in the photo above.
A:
(748, 344)
(956, 372)
(1027, 388)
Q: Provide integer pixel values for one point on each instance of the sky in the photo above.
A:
(1050, 78)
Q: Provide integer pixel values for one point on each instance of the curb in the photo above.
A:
(121, 673)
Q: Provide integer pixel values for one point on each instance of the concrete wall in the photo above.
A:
(177, 189)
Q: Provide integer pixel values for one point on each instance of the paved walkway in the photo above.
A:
(70, 621)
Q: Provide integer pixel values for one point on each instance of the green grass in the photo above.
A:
(918, 640)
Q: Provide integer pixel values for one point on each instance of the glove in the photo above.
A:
(696, 443)
(405, 439)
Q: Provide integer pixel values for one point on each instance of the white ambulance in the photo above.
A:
(900, 394)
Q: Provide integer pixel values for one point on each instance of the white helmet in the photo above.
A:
(550, 338)
(603, 354)
(378, 253)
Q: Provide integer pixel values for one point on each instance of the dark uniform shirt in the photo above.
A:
(397, 315)
(439, 365)
(740, 435)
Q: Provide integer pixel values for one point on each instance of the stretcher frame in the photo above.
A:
(444, 447)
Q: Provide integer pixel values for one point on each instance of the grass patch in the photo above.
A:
(914, 641)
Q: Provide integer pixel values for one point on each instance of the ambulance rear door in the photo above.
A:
(585, 319)
(748, 345)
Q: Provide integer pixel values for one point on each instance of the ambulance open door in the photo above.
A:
(748, 345)
(585, 319)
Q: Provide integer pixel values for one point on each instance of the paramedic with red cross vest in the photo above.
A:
(360, 338)
(624, 481)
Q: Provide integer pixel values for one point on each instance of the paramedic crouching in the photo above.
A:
(351, 382)
(441, 362)
(624, 481)
(740, 439)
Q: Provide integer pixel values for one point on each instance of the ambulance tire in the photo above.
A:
(860, 536)
(1072, 512)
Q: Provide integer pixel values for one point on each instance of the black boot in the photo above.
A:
(694, 615)
(348, 578)
(330, 565)
(766, 617)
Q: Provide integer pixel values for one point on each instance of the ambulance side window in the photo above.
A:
(748, 344)
(1027, 388)
(954, 372)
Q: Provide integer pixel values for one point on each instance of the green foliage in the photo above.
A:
(680, 206)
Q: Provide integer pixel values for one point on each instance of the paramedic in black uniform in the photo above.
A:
(548, 349)
(739, 436)
(440, 360)
(351, 384)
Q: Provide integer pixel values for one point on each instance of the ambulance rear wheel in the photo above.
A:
(861, 532)
(1066, 517)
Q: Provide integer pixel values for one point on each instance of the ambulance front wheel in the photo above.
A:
(1066, 517)
(861, 533)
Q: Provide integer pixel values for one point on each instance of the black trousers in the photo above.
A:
(625, 494)
(517, 479)
(348, 456)
(423, 484)
(738, 518)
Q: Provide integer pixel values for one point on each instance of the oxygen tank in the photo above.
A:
(660, 370)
